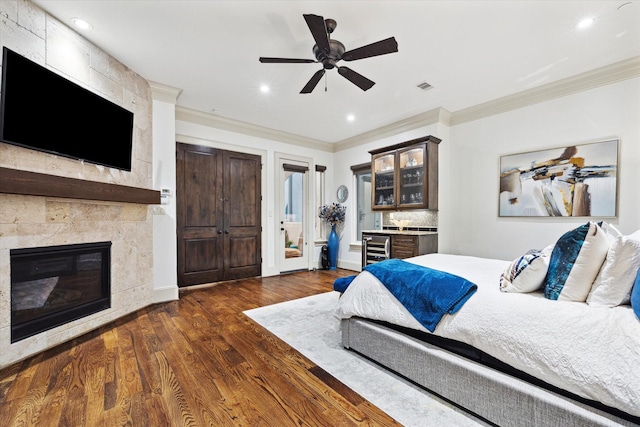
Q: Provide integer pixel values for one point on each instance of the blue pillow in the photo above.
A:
(575, 262)
(635, 296)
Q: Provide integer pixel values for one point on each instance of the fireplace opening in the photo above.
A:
(54, 285)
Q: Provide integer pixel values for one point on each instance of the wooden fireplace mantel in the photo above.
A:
(15, 181)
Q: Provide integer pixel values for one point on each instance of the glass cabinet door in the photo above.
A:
(411, 177)
(383, 167)
(405, 175)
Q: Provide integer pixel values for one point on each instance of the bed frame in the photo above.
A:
(491, 394)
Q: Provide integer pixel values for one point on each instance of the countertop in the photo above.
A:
(402, 233)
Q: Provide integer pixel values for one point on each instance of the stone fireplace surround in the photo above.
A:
(34, 221)
(42, 218)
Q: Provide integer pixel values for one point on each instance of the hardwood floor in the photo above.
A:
(198, 361)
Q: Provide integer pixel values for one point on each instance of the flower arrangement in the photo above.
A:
(333, 213)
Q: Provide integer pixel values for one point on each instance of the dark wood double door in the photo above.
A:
(218, 213)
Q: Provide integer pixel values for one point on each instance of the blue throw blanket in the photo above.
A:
(427, 294)
(342, 283)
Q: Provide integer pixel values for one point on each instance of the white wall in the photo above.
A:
(472, 225)
(468, 221)
(165, 254)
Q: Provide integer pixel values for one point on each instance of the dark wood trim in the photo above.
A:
(361, 168)
(294, 168)
(429, 138)
(15, 181)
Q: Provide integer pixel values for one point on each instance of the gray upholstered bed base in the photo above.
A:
(492, 395)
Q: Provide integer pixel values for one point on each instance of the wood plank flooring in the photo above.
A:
(198, 361)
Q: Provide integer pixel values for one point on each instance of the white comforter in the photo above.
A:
(593, 352)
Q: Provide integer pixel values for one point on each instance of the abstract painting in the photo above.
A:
(576, 180)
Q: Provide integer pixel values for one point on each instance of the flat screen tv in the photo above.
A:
(42, 110)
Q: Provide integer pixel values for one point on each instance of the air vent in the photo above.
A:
(423, 86)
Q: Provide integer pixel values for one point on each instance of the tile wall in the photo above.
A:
(33, 221)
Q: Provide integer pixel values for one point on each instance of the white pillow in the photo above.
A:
(610, 231)
(615, 281)
(526, 273)
(575, 262)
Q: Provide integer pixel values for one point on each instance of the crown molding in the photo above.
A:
(164, 93)
(609, 74)
(427, 118)
(223, 123)
(627, 69)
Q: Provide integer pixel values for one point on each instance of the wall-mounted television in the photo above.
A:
(44, 111)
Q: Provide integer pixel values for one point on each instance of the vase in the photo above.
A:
(333, 243)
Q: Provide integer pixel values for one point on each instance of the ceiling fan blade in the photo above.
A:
(285, 60)
(311, 84)
(319, 31)
(382, 47)
(357, 79)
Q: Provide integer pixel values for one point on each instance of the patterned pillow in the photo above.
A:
(575, 262)
(526, 273)
(635, 296)
(613, 284)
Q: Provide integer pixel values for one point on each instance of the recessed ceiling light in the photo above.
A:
(351, 117)
(264, 88)
(81, 23)
(585, 23)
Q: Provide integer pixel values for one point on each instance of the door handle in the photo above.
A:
(219, 231)
(226, 231)
(281, 229)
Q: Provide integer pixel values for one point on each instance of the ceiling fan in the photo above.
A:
(328, 52)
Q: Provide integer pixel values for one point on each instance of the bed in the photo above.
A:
(514, 353)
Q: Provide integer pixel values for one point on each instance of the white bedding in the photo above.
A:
(591, 351)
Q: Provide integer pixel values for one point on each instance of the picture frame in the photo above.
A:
(578, 180)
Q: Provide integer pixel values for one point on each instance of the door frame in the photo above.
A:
(278, 248)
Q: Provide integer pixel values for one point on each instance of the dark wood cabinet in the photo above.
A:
(218, 214)
(407, 246)
(384, 244)
(405, 176)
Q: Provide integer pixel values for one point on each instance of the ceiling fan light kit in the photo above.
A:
(329, 51)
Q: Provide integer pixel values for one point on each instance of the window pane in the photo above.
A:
(293, 214)
(367, 219)
(321, 230)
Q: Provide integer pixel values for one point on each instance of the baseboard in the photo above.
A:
(347, 265)
(350, 265)
(168, 293)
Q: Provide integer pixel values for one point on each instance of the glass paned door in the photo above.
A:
(293, 216)
(412, 169)
(384, 180)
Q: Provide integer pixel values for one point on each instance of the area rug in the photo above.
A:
(309, 326)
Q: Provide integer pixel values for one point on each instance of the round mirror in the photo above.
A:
(342, 193)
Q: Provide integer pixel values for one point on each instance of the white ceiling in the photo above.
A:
(469, 51)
